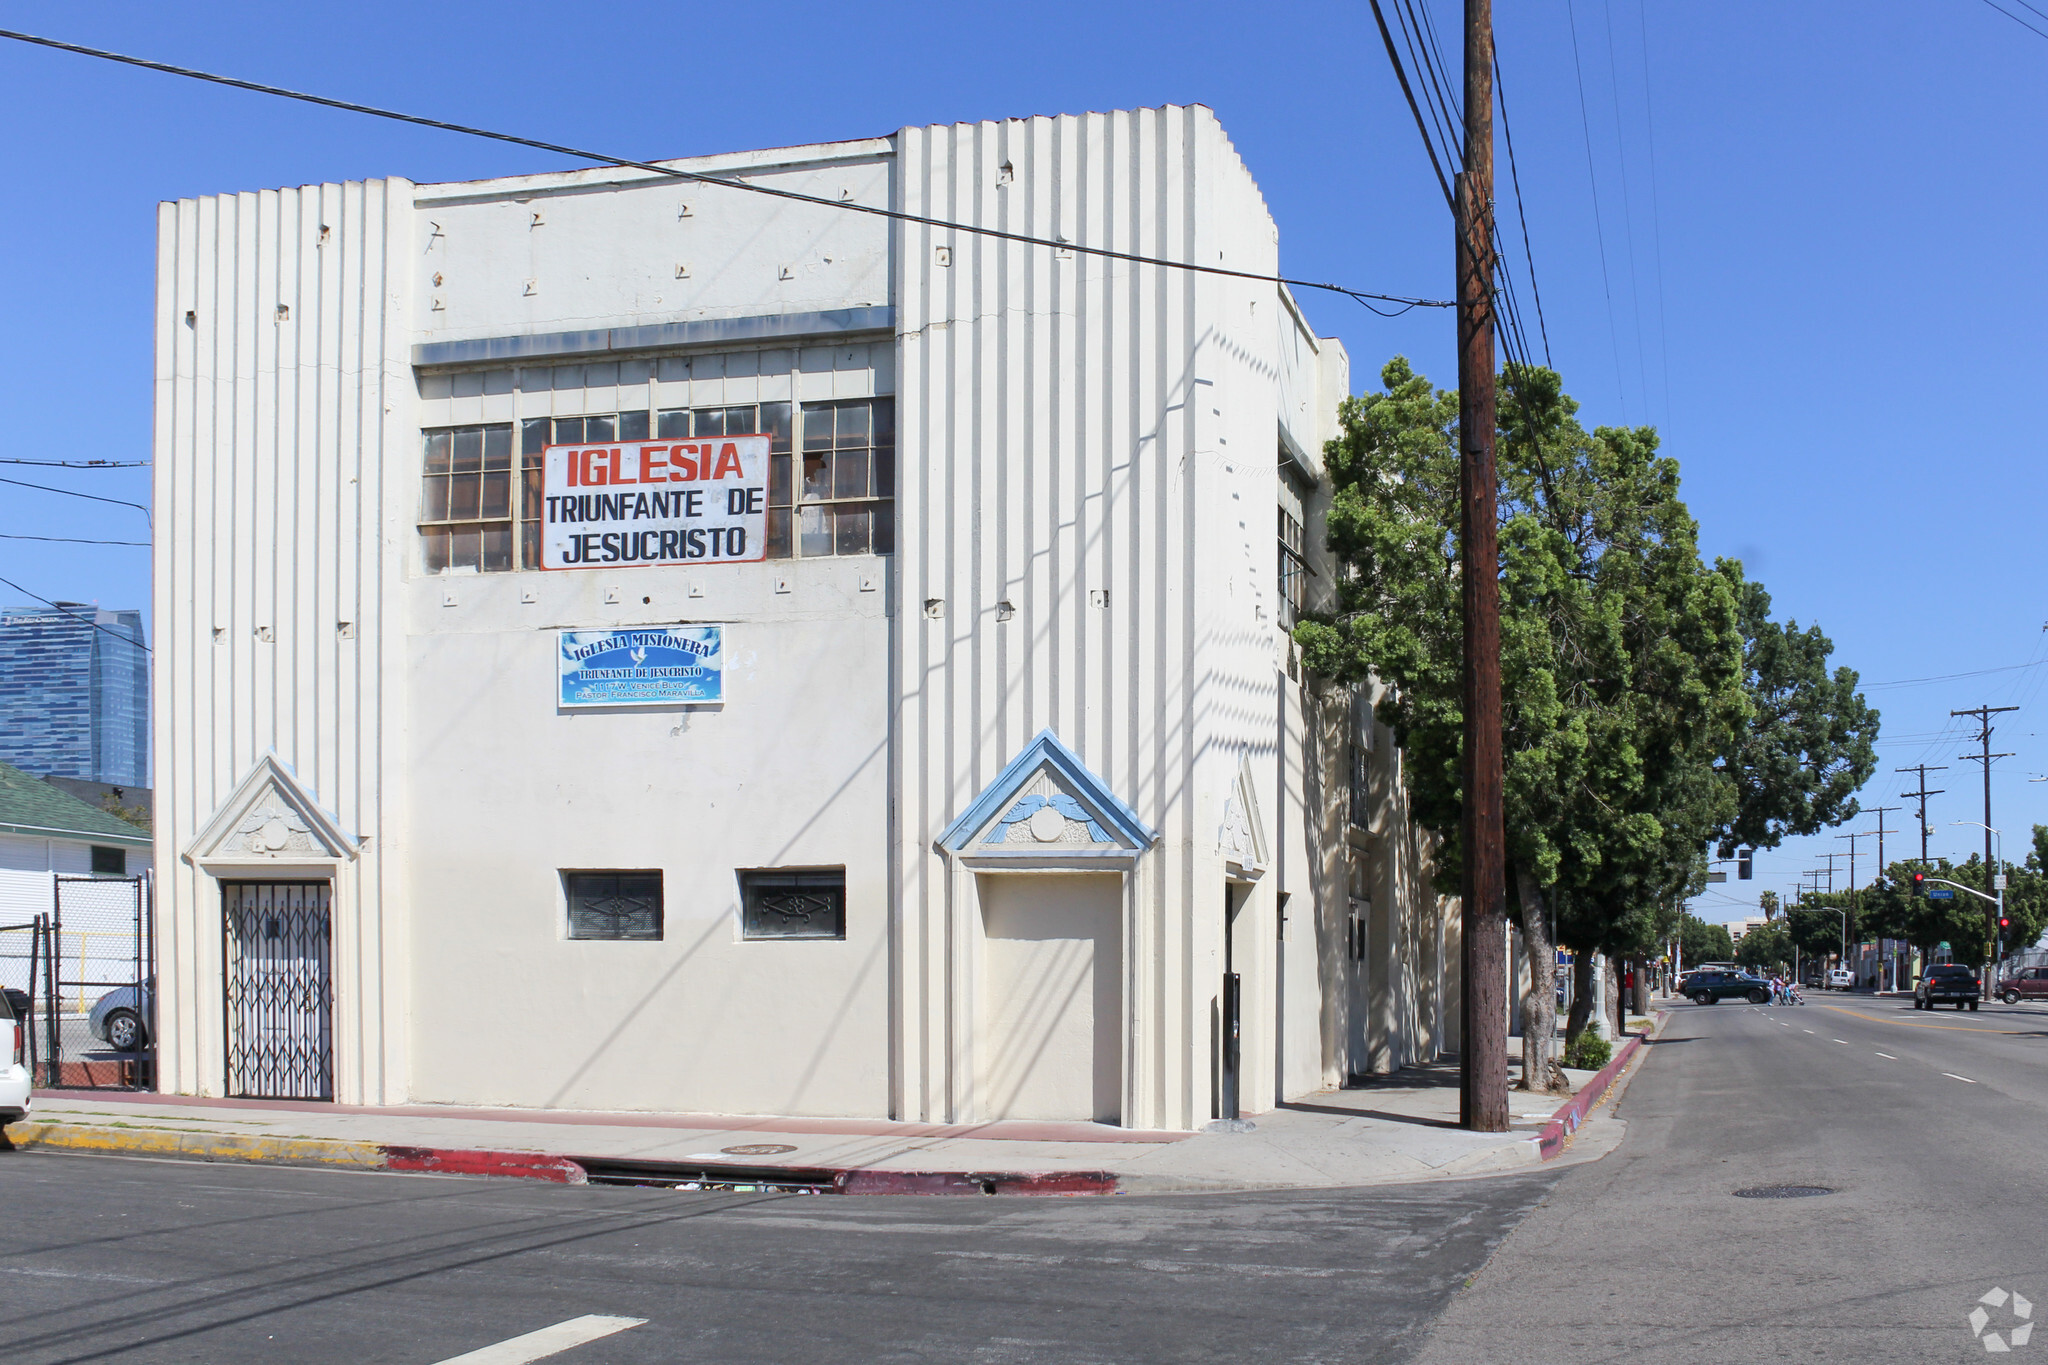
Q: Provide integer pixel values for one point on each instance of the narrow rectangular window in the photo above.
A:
(1294, 570)
(614, 905)
(109, 862)
(775, 903)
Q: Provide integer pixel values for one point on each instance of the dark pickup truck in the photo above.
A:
(1947, 983)
(1710, 988)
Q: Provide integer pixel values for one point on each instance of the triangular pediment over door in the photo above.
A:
(271, 815)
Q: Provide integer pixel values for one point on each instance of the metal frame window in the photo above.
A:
(613, 905)
(839, 501)
(109, 861)
(778, 903)
(1294, 569)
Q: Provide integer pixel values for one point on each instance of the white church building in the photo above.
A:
(630, 643)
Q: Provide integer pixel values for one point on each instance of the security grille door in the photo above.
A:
(280, 996)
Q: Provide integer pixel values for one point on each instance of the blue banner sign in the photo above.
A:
(1940, 893)
(643, 666)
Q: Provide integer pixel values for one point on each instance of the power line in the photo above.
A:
(76, 617)
(71, 493)
(1951, 677)
(1521, 209)
(72, 540)
(1599, 229)
(1628, 213)
(83, 464)
(895, 215)
(2017, 20)
(1656, 207)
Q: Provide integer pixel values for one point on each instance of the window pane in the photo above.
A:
(498, 446)
(851, 529)
(529, 545)
(778, 533)
(818, 426)
(775, 421)
(778, 480)
(530, 511)
(497, 495)
(497, 554)
(852, 426)
(437, 451)
(885, 421)
(885, 528)
(434, 549)
(463, 492)
(568, 431)
(632, 426)
(885, 470)
(673, 425)
(710, 422)
(814, 530)
(597, 429)
(434, 498)
(614, 905)
(533, 438)
(465, 547)
(793, 904)
(817, 476)
(469, 449)
(740, 421)
(850, 474)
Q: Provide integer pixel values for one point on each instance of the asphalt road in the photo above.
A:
(1928, 1125)
(106, 1259)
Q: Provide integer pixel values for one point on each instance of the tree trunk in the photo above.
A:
(1610, 996)
(1540, 1068)
(1582, 996)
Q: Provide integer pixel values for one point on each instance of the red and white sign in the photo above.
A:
(654, 502)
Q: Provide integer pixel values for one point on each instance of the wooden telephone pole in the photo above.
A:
(1483, 1050)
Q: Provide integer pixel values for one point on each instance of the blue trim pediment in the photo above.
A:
(1006, 809)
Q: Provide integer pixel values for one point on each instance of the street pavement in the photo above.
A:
(1928, 1125)
(135, 1260)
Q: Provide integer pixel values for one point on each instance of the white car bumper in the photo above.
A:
(14, 1093)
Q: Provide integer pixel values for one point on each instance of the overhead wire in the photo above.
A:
(1656, 207)
(1628, 213)
(59, 608)
(74, 540)
(1362, 296)
(1521, 207)
(73, 493)
(1599, 229)
(2017, 20)
(82, 464)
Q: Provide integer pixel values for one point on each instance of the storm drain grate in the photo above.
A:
(1782, 1192)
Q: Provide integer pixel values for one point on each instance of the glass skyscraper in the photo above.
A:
(74, 693)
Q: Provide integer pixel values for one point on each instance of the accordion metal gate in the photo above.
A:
(280, 992)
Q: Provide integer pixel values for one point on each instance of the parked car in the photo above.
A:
(2028, 983)
(1945, 983)
(1841, 979)
(1710, 988)
(14, 1070)
(117, 1018)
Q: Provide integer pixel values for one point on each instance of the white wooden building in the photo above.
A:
(1011, 756)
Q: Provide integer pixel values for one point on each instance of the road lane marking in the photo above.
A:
(1964, 1079)
(546, 1342)
(1843, 1041)
(1886, 1055)
(1959, 1028)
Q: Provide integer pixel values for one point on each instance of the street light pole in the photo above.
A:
(1997, 881)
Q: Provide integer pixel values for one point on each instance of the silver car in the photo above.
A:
(117, 1017)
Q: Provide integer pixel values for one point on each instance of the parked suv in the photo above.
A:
(2028, 983)
(1841, 979)
(1946, 983)
(14, 1071)
(1710, 988)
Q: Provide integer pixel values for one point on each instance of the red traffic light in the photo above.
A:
(1919, 879)
(2004, 923)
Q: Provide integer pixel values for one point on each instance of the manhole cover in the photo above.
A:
(778, 1148)
(1783, 1192)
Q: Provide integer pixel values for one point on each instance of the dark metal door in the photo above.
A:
(280, 993)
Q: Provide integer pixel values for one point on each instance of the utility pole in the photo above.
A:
(1986, 757)
(1921, 795)
(1855, 901)
(1891, 954)
(1483, 1047)
(1831, 870)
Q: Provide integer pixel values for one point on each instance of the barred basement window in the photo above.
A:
(616, 905)
(778, 904)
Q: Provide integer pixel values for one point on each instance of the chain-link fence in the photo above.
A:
(85, 969)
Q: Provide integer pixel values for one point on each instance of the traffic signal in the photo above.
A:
(1743, 865)
(1919, 880)
(2003, 924)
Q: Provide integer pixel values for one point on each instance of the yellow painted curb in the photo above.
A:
(189, 1146)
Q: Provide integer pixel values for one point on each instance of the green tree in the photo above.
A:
(1699, 941)
(1766, 948)
(1621, 657)
(1767, 901)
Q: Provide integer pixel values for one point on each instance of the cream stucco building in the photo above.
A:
(1009, 761)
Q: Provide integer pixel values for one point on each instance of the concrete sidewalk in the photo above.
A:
(1394, 1129)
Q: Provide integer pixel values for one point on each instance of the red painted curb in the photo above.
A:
(455, 1161)
(1567, 1119)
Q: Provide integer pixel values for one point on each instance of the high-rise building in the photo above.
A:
(74, 693)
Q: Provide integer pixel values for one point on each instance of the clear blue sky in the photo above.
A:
(1821, 223)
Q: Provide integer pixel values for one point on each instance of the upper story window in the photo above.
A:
(1294, 570)
(479, 512)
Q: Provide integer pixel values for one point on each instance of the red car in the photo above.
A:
(2028, 983)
